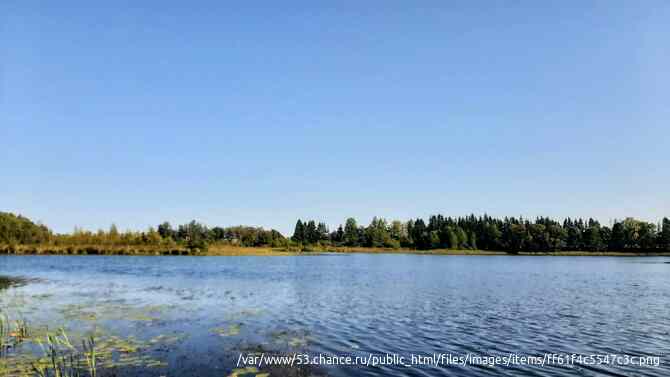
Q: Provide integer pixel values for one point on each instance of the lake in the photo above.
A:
(194, 316)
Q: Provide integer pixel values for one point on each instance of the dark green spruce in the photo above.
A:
(509, 234)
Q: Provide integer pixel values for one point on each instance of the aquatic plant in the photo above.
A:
(248, 372)
(111, 311)
(61, 358)
(54, 354)
(12, 333)
(292, 339)
(231, 330)
(89, 353)
(4, 334)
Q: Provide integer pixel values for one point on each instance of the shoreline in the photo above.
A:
(226, 250)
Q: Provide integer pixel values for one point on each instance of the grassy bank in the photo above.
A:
(374, 250)
(600, 254)
(213, 250)
(230, 250)
(489, 252)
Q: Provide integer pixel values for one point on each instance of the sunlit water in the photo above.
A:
(213, 308)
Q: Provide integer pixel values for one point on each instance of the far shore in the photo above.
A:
(230, 250)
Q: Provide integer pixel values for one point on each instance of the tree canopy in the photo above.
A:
(509, 234)
(502, 234)
(20, 230)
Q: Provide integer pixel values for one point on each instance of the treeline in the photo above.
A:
(20, 230)
(194, 236)
(508, 234)
(197, 235)
(487, 233)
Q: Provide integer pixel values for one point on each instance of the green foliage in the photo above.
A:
(452, 238)
(165, 230)
(16, 229)
(311, 235)
(299, 232)
(249, 236)
(508, 234)
(377, 234)
(618, 237)
(470, 232)
(472, 240)
(194, 236)
(351, 233)
(664, 236)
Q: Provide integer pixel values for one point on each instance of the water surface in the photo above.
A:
(194, 315)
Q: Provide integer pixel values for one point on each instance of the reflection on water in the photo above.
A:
(194, 315)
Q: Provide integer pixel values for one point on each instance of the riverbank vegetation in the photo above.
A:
(39, 352)
(509, 234)
(438, 235)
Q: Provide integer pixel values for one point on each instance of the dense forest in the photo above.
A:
(20, 230)
(487, 233)
(439, 232)
(194, 236)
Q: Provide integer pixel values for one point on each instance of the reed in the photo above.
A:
(4, 334)
(61, 358)
(88, 345)
(12, 333)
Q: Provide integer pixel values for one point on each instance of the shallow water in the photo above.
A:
(194, 315)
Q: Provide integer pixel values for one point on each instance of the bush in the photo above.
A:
(197, 245)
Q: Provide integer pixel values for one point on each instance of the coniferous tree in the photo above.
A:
(664, 236)
(574, 236)
(311, 233)
(618, 238)
(299, 232)
(351, 237)
(339, 234)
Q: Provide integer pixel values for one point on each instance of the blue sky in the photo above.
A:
(263, 112)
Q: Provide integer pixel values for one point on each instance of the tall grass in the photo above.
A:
(12, 333)
(60, 357)
(88, 345)
(63, 359)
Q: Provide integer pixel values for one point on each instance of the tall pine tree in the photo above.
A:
(664, 236)
(299, 232)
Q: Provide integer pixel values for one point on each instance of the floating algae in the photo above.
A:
(166, 339)
(231, 330)
(112, 312)
(246, 313)
(73, 312)
(291, 339)
(247, 372)
(43, 353)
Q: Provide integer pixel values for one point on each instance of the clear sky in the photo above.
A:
(262, 112)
